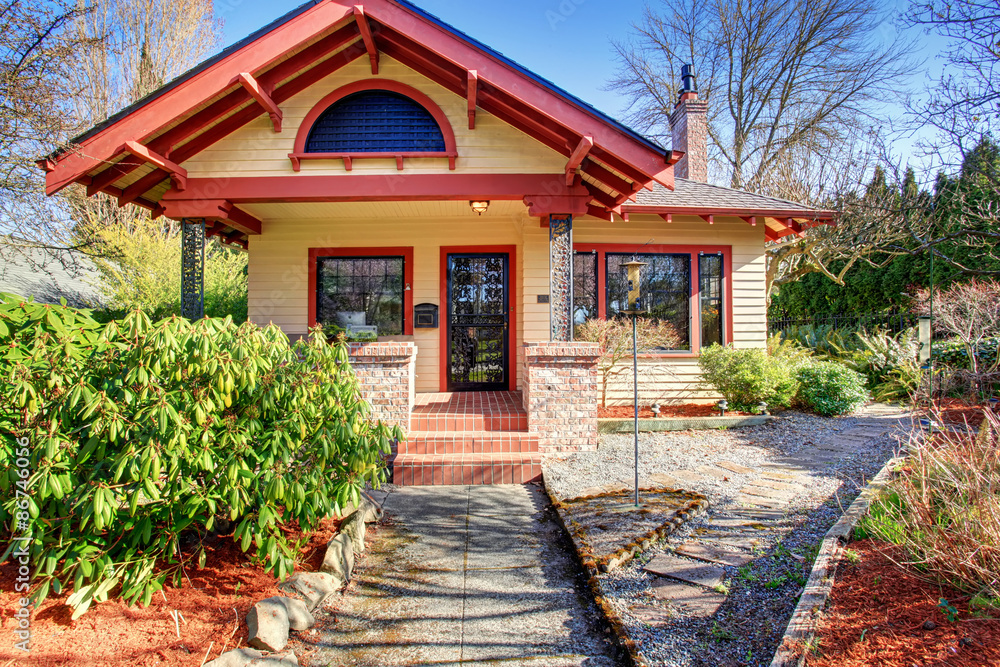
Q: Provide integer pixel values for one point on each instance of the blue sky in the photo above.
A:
(565, 41)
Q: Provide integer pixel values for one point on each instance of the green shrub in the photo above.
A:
(142, 438)
(829, 388)
(955, 353)
(745, 377)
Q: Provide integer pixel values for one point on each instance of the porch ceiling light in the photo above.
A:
(479, 206)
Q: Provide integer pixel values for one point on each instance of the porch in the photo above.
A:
(483, 437)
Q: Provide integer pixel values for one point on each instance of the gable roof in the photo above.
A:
(48, 275)
(138, 150)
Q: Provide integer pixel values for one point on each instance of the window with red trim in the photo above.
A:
(682, 285)
(362, 289)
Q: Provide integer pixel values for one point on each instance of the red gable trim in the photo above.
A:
(165, 109)
(299, 152)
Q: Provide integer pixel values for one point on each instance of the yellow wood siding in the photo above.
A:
(279, 292)
(493, 147)
(278, 271)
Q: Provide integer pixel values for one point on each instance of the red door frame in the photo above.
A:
(511, 252)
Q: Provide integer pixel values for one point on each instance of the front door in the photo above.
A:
(478, 321)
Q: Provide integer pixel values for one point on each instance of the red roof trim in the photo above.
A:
(299, 153)
(163, 110)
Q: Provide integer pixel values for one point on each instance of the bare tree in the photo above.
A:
(786, 81)
(67, 69)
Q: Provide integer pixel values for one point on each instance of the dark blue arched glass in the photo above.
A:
(375, 121)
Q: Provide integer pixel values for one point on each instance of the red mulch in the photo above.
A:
(112, 634)
(958, 412)
(674, 410)
(878, 616)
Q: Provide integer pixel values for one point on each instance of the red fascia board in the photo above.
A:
(405, 252)
(611, 179)
(244, 116)
(364, 187)
(470, 96)
(698, 211)
(443, 355)
(166, 142)
(542, 100)
(163, 110)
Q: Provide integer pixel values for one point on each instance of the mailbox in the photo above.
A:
(425, 316)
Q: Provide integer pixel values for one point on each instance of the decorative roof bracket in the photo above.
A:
(262, 96)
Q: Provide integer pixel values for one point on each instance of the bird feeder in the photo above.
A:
(634, 276)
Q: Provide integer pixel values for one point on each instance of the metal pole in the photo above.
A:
(635, 399)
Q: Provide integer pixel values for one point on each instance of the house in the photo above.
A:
(48, 275)
(388, 173)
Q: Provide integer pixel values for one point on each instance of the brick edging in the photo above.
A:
(591, 569)
(803, 624)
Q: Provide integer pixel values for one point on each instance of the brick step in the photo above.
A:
(430, 469)
(469, 421)
(468, 442)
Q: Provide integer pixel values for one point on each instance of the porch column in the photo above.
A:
(561, 277)
(193, 268)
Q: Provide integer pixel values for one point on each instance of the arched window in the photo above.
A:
(375, 121)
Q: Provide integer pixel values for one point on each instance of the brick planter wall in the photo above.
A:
(561, 389)
(386, 374)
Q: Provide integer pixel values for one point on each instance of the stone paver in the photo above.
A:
(735, 467)
(695, 601)
(461, 576)
(703, 574)
(713, 554)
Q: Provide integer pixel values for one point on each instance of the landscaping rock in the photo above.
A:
(354, 526)
(285, 660)
(267, 624)
(711, 554)
(312, 587)
(695, 601)
(298, 614)
(370, 508)
(339, 558)
(240, 657)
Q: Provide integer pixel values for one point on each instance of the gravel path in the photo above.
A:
(825, 463)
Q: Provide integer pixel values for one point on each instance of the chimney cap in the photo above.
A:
(689, 83)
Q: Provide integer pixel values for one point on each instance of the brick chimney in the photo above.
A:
(689, 130)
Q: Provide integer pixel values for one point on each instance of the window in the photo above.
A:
(682, 285)
(362, 291)
(375, 121)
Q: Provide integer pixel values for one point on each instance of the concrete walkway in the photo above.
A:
(466, 575)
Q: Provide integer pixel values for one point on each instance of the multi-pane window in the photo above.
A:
(682, 287)
(665, 287)
(361, 293)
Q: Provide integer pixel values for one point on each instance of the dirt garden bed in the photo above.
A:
(670, 410)
(213, 602)
(883, 614)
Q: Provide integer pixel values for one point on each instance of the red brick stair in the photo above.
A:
(468, 438)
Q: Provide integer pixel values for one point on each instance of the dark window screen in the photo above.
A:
(665, 288)
(375, 121)
(710, 288)
(360, 291)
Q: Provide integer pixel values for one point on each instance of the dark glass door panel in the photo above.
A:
(478, 322)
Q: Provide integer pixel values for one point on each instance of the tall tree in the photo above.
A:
(787, 82)
(83, 65)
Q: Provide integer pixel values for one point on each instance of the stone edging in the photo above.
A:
(802, 626)
(590, 566)
(270, 620)
(607, 425)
